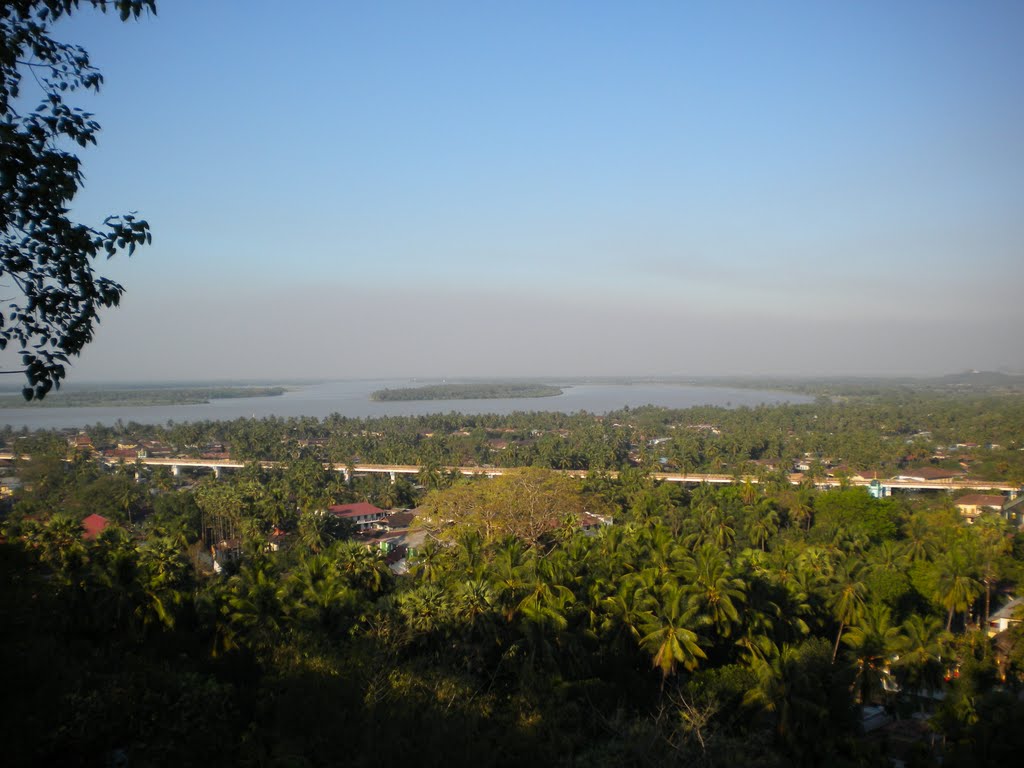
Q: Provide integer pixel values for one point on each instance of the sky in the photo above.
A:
(347, 189)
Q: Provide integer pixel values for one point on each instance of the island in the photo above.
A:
(478, 391)
(142, 396)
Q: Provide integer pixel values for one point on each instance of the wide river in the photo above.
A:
(352, 398)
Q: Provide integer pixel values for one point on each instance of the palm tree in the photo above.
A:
(59, 542)
(474, 599)
(800, 510)
(543, 612)
(323, 596)
(624, 613)
(427, 562)
(667, 636)
(364, 568)
(427, 609)
(873, 641)
(990, 543)
(846, 602)
(712, 591)
(957, 589)
(792, 686)
(920, 538)
(763, 527)
(253, 604)
(920, 653)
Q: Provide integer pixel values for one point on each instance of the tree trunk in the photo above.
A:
(988, 600)
(835, 651)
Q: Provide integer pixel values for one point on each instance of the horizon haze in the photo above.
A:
(585, 189)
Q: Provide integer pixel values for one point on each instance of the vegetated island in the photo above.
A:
(480, 391)
(112, 398)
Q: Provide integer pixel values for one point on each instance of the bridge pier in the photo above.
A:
(216, 472)
(175, 469)
(394, 476)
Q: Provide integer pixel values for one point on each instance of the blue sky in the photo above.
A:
(560, 188)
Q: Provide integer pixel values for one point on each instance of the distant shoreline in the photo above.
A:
(481, 391)
(115, 398)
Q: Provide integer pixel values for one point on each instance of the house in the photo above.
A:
(866, 474)
(224, 553)
(276, 539)
(361, 514)
(399, 521)
(1005, 617)
(592, 522)
(82, 442)
(1013, 512)
(124, 453)
(973, 505)
(93, 526)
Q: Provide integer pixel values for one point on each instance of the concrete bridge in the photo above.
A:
(882, 487)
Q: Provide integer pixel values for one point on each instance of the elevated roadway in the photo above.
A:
(691, 478)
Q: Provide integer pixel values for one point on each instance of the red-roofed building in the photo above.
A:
(93, 526)
(362, 514)
(867, 474)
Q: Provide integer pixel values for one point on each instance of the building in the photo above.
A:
(973, 505)
(1009, 614)
(1013, 512)
(362, 514)
(93, 526)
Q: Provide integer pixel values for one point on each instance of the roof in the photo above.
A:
(359, 509)
(981, 500)
(930, 473)
(401, 519)
(868, 474)
(1007, 611)
(94, 525)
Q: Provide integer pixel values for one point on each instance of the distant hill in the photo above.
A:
(982, 380)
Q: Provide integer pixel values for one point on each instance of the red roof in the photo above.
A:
(981, 500)
(121, 453)
(94, 526)
(930, 473)
(869, 474)
(359, 509)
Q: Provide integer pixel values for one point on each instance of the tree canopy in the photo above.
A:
(47, 260)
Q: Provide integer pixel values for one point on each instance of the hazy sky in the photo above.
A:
(560, 188)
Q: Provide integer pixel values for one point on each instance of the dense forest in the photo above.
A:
(754, 624)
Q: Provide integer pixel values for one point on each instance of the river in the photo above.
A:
(352, 398)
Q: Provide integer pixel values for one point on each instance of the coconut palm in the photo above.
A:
(957, 589)
(920, 538)
(763, 526)
(363, 567)
(919, 662)
(253, 604)
(990, 542)
(792, 687)
(667, 636)
(872, 643)
(323, 596)
(847, 601)
(712, 591)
